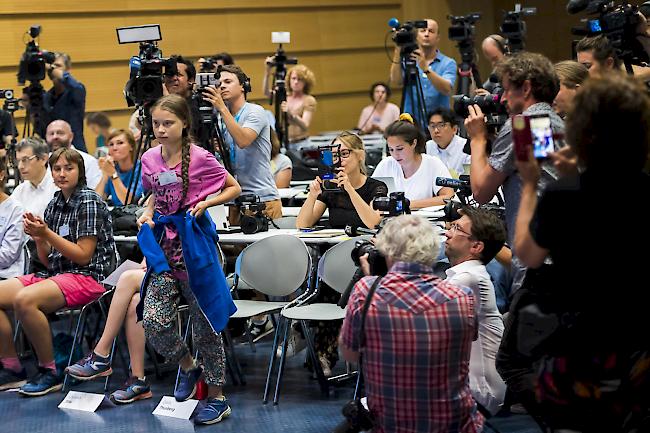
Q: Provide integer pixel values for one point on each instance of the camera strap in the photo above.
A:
(364, 312)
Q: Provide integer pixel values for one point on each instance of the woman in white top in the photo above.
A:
(377, 116)
(414, 171)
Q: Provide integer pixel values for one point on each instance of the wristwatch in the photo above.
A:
(114, 176)
(427, 71)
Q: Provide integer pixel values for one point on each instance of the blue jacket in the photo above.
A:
(206, 279)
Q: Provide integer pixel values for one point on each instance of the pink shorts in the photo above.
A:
(76, 288)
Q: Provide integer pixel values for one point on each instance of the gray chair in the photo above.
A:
(336, 269)
(286, 222)
(277, 266)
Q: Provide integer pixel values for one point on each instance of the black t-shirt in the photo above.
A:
(598, 239)
(342, 212)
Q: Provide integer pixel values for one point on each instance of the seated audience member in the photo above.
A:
(122, 312)
(118, 169)
(446, 145)
(350, 203)
(75, 241)
(418, 334)
(12, 236)
(377, 116)
(472, 242)
(37, 188)
(414, 171)
(595, 368)
(281, 165)
(100, 125)
(59, 134)
(572, 75)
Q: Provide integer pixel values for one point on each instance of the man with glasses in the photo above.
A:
(445, 143)
(472, 242)
(37, 187)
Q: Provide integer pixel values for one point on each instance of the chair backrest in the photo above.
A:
(276, 266)
(335, 267)
(286, 222)
(27, 255)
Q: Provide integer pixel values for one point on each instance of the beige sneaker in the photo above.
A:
(325, 365)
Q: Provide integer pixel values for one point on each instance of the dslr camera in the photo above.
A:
(405, 35)
(148, 67)
(395, 204)
(34, 61)
(357, 418)
(491, 106)
(252, 218)
(376, 259)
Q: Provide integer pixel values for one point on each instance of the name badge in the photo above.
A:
(64, 230)
(167, 177)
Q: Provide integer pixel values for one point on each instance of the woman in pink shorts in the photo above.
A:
(75, 241)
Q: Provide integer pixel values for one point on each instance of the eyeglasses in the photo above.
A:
(455, 228)
(345, 153)
(25, 160)
(438, 125)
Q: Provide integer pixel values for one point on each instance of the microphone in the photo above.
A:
(358, 231)
(451, 183)
(575, 6)
(393, 22)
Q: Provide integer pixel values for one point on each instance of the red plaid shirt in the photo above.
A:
(419, 331)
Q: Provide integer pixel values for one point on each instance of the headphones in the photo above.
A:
(245, 83)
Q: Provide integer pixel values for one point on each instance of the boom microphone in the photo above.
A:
(575, 6)
(451, 183)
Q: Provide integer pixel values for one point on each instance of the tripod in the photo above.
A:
(279, 94)
(412, 90)
(34, 116)
(467, 68)
(144, 143)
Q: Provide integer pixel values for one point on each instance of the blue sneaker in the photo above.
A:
(187, 384)
(44, 382)
(90, 367)
(10, 379)
(214, 411)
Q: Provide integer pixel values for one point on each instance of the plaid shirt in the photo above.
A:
(84, 214)
(419, 331)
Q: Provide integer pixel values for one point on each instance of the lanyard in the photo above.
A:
(231, 141)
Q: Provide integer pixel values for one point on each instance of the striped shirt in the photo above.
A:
(419, 331)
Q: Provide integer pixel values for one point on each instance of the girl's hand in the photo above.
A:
(34, 226)
(199, 209)
(145, 218)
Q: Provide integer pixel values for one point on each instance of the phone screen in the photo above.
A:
(542, 136)
(327, 159)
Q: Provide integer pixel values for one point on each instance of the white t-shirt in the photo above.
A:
(93, 173)
(35, 199)
(453, 156)
(422, 184)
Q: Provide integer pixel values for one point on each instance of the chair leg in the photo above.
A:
(322, 380)
(283, 358)
(80, 326)
(276, 335)
(229, 349)
(110, 359)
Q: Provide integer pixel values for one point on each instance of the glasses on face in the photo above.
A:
(25, 160)
(455, 228)
(438, 125)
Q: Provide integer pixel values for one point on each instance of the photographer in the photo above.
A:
(246, 132)
(66, 100)
(446, 144)
(8, 130)
(529, 86)
(418, 336)
(494, 48)
(210, 64)
(439, 69)
(601, 345)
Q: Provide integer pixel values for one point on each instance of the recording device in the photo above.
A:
(462, 27)
(376, 259)
(461, 30)
(513, 27)
(148, 67)
(461, 185)
(11, 104)
(203, 80)
(330, 161)
(393, 205)
(617, 23)
(279, 94)
(357, 418)
(405, 35)
(532, 131)
(495, 112)
(252, 218)
(34, 61)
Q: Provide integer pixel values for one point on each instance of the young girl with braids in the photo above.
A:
(182, 175)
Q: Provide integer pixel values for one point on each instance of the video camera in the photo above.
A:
(617, 23)
(405, 35)
(148, 67)
(462, 30)
(513, 27)
(393, 205)
(33, 63)
(11, 104)
(252, 218)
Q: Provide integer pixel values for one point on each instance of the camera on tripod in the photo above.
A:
(11, 104)
(462, 27)
(203, 80)
(513, 27)
(405, 35)
(148, 67)
(252, 218)
(33, 63)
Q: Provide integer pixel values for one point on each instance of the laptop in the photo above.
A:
(390, 183)
(219, 215)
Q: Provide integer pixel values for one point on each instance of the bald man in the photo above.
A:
(437, 72)
(59, 134)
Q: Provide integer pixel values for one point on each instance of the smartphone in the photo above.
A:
(542, 135)
(205, 79)
(327, 169)
(521, 136)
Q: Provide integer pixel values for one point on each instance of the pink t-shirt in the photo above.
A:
(206, 175)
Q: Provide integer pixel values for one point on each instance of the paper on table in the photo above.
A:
(327, 233)
(111, 280)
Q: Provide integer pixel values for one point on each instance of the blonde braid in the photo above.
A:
(185, 165)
